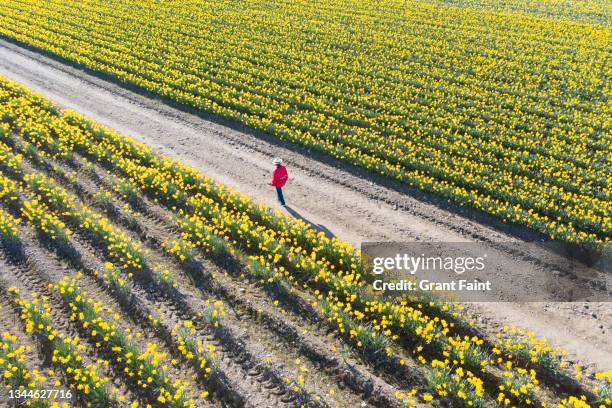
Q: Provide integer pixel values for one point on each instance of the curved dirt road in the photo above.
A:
(333, 200)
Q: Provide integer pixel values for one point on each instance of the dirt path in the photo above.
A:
(338, 202)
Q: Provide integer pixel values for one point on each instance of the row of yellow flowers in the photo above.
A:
(33, 211)
(16, 374)
(8, 229)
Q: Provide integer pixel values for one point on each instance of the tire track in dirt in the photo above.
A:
(346, 204)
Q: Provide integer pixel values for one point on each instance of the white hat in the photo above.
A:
(277, 160)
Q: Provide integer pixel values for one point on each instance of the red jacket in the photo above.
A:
(279, 176)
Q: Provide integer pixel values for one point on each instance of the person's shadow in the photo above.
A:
(319, 227)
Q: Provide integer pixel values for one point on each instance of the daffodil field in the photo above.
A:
(130, 279)
(500, 105)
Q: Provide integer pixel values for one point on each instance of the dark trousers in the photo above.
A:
(279, 193)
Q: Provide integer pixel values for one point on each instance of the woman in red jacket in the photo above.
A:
(279, 178)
